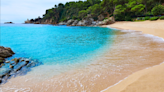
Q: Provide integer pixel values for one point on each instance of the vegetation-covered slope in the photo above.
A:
(120, 9)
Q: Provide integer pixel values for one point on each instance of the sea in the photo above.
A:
(77, 59)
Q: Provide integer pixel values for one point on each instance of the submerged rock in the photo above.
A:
(20, 67)
(11, 66)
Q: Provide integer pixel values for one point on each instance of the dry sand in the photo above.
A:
(147, 80)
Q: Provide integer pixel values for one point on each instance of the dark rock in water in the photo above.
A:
(7, 61)
(0, 81)
(11, 66)
(20, 67)
(27, 61)
(16, 60)
(22, 60)
(5, 52)
(8, 23)
(1, 76)
(2, 64)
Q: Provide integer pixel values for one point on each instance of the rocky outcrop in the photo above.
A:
(62, 23)
(101, 17)
(34, 21)
(75, 23)
(110, 20)
(8, 23)
(69, 22)
(88, 22)
(5, 52)
(16, 66)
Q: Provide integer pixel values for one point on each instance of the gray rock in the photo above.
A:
(69, 22)
(75, 23)
(16, 60)
(101, 17)
(62, 23)
(85, 22)
(106, 21)
(11, 66)
(2, 64)
(7, 61)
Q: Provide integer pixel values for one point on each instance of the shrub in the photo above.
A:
(143, 18)
(139, 18)
(157, 10)
(63, 20)
(161, 18)
(147, 18)
(105, 18)
(128, 18)
(74, 17)
(153, 18)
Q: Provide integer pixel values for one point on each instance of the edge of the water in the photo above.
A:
(128, 30)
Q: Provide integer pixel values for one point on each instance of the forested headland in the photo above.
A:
(121, 10)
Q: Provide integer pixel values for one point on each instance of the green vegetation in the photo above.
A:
(157, 10)
(122, 10)
(147, 18)
(161, 18)
(153, 18)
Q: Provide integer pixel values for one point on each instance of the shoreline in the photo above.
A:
(151, 76)
(122, 61)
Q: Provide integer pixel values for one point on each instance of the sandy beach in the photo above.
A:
(147, 80)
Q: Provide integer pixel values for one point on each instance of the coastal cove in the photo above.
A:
(111, 55)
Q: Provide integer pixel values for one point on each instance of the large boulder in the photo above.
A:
(69, 22)
(80, 23)
(85, 22)
(62, 23)
(108, 21)
(101, 17)
(75, 23)
(5, 52)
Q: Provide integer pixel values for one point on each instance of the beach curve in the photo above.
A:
(149, 79)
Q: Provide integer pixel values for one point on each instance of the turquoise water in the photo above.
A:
(54, 44)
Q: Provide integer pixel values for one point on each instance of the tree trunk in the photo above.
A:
(145, 8)
(114, 10)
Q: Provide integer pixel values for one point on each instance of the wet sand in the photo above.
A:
(130, 52)
(147, 80)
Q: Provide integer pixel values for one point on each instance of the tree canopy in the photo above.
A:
(120, 9)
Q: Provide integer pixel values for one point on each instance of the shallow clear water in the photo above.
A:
(54, 44)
